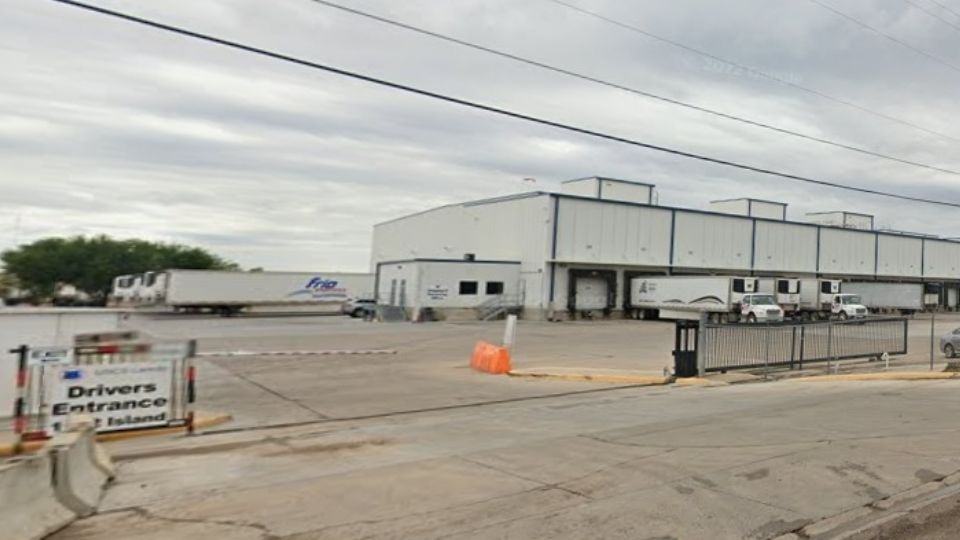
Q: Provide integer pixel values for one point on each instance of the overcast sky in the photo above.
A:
(108, 127)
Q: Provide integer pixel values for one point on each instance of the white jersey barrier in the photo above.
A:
(44, 492)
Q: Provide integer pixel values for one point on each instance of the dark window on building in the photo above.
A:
(738, 285)
(783, 286)
(494, 287)
(825, 287)
(468, 287)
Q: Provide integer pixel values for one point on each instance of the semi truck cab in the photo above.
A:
(760, 308)
(848, 306)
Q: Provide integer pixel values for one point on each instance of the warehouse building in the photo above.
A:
(575, 252)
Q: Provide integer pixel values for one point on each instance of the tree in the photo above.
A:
(91, 263)
(8, 284)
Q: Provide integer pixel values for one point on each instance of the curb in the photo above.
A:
(886, 376)
(647, 380)
(699, 381)
(201, 422)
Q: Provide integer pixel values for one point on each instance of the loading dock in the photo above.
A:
(591, 290)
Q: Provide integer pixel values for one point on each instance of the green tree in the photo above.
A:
(8, 283)
(91, 263)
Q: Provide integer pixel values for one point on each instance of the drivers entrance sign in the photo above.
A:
(117, 396)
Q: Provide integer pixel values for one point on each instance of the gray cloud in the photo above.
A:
(107, 127)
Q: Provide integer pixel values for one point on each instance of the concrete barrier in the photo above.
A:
(81, 470)
(29, 509)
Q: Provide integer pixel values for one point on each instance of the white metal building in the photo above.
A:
(579, 251)
(451, 286)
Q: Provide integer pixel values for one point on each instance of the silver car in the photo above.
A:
(950, 343)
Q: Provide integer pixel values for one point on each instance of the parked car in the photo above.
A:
(950, 343)
(358, 307)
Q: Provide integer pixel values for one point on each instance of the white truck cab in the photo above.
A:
(848, 306)
(760, 307)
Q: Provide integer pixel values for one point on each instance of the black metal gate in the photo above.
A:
(751, 346)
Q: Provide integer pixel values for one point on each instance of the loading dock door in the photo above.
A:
(592, 293)
(952, 297)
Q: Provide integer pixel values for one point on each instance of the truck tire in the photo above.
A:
(751, 318)
(843, 315)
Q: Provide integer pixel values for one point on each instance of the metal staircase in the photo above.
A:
(499, 306)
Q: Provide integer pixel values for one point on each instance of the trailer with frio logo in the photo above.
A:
(231, 292)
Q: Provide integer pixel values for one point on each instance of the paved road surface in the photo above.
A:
(745, 461)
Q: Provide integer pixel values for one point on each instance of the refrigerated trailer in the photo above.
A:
(816, 297)
(228, 292)
(724, 298)
(882, 296)
(786, 291)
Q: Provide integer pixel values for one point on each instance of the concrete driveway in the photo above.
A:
(745, 461)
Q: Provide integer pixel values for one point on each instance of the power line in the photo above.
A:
(483, 107)
(890, 37)
(632, 90)
(748, 69)
(936, 16)
(945, 7)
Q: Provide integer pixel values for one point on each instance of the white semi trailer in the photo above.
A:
(786, 291)
(881, 296)
(724, 298)
(823, 299)
(227, 292)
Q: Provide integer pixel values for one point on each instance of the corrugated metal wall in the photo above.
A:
(899, 256)
(598, 232)
(941, 259)
(712, 241)
(847, 252)
(784, 247)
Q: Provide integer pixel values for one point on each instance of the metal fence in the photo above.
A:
(745, 346)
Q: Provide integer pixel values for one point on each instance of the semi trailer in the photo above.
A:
(723, 298)
(229, 292)
(786, 291)
(883, 296)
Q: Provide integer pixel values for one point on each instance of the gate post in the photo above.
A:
(701, 350)
(803, 338)
(793, 344)
(20, 407)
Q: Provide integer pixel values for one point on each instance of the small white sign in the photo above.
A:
(50, 356)
(117, 396)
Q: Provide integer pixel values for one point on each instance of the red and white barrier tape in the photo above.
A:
(296, 353)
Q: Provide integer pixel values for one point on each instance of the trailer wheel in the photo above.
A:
(724, 318)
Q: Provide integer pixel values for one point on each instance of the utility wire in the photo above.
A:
(931, 13)
(945, 7)
(483, 107)
(748, 69)
(632, 90)
(890, 37)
